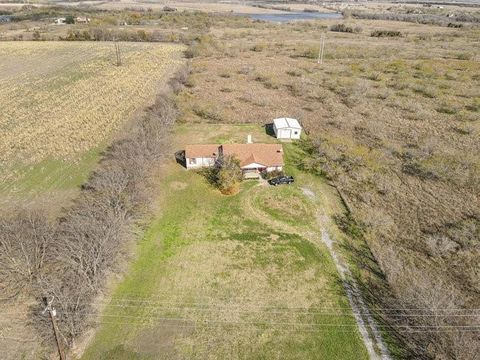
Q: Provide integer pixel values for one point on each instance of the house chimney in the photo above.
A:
(249, 139)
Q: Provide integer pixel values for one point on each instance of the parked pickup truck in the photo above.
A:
(279, 180)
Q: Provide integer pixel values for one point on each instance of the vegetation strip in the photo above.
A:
(70, 259)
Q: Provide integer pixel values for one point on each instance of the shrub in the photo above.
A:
(345, 28)
(192, 52)
(309, 52)
(447, 108)
(474, 106)
(202, 45)
(226, 175)
(415, 168)
(266, 80)
(206, 112)
(272, 174)
(454, 25)
(464, 56)
(258, 47)
(294, 73)
(69, 19)
(36, 35)
(386, 33)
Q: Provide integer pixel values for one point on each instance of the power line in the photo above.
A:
(270, 323)
(125, 299)
(280, 310)
(265, 323)
(354, 328)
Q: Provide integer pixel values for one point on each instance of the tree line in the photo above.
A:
(70, 257)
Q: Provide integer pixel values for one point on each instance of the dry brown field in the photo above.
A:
(392, 121)
(62, 103)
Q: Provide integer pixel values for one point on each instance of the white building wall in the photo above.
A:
(287, 133)
(256, 166)
(199, 162)
(295, 134)
(252, 166)
(284, 134)
(273, 168)
(275, 130)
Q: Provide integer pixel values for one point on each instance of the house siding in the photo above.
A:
(197, 163)
(287, 133)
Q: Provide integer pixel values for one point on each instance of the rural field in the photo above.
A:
(62, 106)
(372, 252)
(393, 120)
(62, 102)
(243, 276)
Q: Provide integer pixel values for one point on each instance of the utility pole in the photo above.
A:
(117, 52)
(320, 50)
(52, 313)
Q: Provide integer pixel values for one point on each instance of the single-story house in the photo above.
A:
(61, 21)
(254, 158)
(287, 128)
(198, 156)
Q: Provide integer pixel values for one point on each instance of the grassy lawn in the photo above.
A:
(221, 277)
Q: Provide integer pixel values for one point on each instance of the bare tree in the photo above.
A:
(25, 239)
(69, 259)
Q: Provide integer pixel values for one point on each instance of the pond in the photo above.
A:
(293, 16)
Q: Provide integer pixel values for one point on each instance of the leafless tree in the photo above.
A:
(70, 258)
(24, 242)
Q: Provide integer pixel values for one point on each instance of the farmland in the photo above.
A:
(394, 123)
(235, 277)
(388, 169)
(63, 102)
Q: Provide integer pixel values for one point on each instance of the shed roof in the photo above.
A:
(264, 154)
(201, 151)
(285, 122)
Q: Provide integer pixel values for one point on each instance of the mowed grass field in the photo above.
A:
(61, 104)
(230, 277)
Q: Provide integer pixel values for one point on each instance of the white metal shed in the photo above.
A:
(287, 128)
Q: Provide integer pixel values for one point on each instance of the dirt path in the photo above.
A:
(366, 323)
(367, 326)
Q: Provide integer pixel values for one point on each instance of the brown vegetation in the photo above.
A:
(71, 258)
(226, 174)
(392, 122)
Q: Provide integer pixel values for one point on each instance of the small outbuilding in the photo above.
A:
(82, 20)
(287, 128)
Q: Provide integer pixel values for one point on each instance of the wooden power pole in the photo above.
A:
(52, 313)
(117, 52)
(321, 48)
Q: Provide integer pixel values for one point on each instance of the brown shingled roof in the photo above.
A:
(264, 154)
(203, 150)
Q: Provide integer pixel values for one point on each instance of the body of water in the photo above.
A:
(293, 16)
